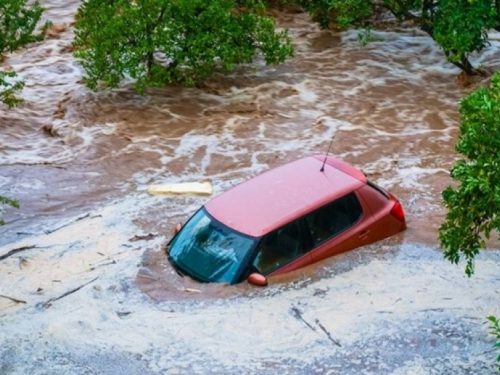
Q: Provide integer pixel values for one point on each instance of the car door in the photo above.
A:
(283, 250)
(339, 226)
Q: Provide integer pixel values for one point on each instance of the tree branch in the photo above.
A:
(14, 251)
(49, 302)
(13, 299)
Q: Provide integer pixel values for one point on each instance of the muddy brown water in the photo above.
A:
(391, 108)
(80, 162)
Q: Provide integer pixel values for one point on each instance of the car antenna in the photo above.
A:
(324, 161)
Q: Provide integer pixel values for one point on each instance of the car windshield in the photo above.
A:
(209, 251)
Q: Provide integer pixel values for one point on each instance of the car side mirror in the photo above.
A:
(178, 228)
(257, 279)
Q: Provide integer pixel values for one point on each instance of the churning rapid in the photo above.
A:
(79, 163)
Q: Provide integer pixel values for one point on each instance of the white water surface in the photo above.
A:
(80, 163)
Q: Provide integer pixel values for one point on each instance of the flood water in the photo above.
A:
(80, 162)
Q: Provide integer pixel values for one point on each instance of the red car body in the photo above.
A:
(315, 207)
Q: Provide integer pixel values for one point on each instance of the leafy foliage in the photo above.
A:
(474, 206)
(342, 12)
(8, 202)
(9, 90)
(458, 26)
(18, 22)
(165, 41)
(495, 331)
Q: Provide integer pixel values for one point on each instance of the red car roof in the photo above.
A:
(280, 195)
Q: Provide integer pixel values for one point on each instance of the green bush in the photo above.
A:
(17, 29)
(165, 41)
(474, 206)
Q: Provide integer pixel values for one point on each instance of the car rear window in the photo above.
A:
(379, 189)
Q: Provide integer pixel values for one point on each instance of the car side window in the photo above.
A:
(280, 247)
(334, 218)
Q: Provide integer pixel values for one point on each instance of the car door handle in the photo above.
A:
(364, 234)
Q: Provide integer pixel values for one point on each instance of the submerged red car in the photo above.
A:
(284, 219)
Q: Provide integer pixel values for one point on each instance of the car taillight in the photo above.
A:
(398, 212)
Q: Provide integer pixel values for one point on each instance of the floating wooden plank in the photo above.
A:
(184, 188)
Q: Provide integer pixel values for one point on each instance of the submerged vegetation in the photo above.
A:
(182, 42)
(458, 26)
(162, 41)
(8, 202)
(495, 331)
(18, 22)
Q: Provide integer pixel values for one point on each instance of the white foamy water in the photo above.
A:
(80, 162)
(391, 308)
